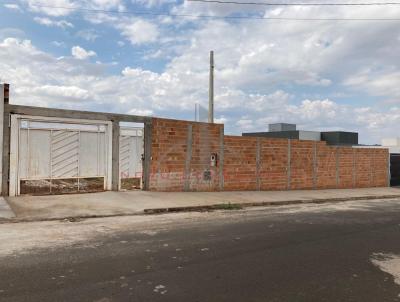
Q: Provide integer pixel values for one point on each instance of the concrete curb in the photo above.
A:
(233, 206)
(203, 208)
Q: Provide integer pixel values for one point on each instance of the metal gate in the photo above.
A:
(130, 156)
(394, 169)
(57, 156)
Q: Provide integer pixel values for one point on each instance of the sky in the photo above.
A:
(318, 74)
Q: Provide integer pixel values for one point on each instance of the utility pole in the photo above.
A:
(211, 90)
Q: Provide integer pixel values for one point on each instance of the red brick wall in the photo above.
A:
(169, 170)
(325, 166)
(273, 164)
(346, 167)
(206, 140)
(240, 163)
(301, 164)
(380, 168)
(250, 163)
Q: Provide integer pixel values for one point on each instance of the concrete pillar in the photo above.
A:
(115, 156)
(147, 155)
(221, 159)
(288, 169)
(189, 143)
(258, 164)
(5, 138)
(1, 132)
(337, 166)
(315, 165)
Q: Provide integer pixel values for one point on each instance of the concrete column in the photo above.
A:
(221, 159)
(315, 165)
(337, 166)
(115, 156)
(188, 160)
(354, 168)
(5, 138)
(1, 132)
(288, 169)
(147, 155)
(258, 164)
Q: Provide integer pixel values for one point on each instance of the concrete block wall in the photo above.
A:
(181, 156)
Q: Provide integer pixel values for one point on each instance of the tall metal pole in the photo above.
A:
(211, 90)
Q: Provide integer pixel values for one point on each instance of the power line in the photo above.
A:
(298, 4)
(149, 13)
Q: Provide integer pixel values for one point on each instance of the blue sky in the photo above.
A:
(335, 75)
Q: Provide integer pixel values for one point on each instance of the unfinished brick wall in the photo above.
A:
(346, 171)
(301, 165)
(181, 155)
(181, 161)
(240, 169)
(273, 164)
(326, 160)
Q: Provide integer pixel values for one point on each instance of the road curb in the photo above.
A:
(237, 206)
(203, 208)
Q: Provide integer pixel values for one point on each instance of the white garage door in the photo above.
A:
(58, 156)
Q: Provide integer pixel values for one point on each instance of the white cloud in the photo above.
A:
(146, 112)
(47, 7)
(380, 82)
(88, 34)
(56, 8)
(154, 3)
(266, 71)
(56, 23)
(315, 110)
(58, 43)
(139, 31)
(71, 92)
(82, 54)
(13, 6)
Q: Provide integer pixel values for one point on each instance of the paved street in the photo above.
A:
(329, 252)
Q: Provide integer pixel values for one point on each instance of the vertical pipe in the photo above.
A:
(211, 90)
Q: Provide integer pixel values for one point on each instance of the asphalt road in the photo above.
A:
(283, 254)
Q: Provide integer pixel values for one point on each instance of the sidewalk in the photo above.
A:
(5, 210)
(29, 208)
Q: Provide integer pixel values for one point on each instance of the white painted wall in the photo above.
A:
(393, 144)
